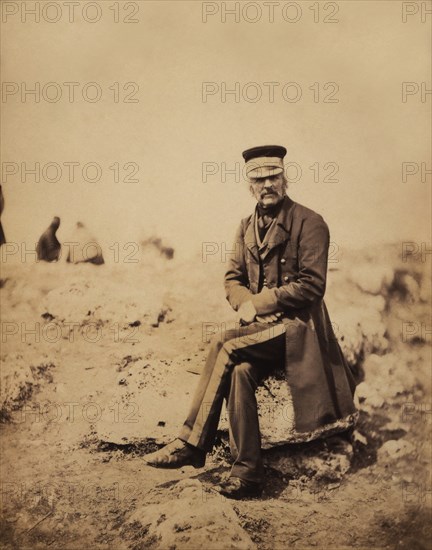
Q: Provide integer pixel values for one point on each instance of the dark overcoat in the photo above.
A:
(287, 273)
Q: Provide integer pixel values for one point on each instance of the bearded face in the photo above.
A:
(268, 191)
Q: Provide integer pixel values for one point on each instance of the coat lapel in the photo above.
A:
(250, 237)
(280, 231)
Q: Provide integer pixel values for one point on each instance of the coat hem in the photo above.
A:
(322, 432)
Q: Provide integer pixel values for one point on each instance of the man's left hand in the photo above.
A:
(270, 318)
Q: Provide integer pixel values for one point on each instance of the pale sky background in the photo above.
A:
(171, 132)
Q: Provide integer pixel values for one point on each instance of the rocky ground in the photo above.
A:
(98, 367)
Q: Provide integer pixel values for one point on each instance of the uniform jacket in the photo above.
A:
(288, 273)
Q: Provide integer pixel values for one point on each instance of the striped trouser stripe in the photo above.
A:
(256, 336)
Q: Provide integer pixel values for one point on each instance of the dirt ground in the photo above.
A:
(65, 487)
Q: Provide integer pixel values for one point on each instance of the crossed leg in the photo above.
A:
(235, 365)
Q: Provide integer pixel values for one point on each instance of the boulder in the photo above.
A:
(320, 461)
(386, 377)
(186, 516)
(84, 300)
(18, 381)
(395, 449)
(372, 278)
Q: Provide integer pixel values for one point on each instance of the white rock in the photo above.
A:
(186, 516)
(369, 395)
(360, 438)
(395, 449)
(371, 278)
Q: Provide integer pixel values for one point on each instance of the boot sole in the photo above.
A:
(174, 466)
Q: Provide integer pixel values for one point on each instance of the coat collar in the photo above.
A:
(278, 233)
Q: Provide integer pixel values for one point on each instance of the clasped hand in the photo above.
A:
(247, 314)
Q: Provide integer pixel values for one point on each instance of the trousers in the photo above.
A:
(237, 362)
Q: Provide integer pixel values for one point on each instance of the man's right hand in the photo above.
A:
(270, 318)
(246, 313)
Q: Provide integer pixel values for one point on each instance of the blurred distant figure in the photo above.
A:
(168, 252)
(83, 247)
(2, 202)
(48, 248)
(156, 242)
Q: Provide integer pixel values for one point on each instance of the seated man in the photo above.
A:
(275, 282)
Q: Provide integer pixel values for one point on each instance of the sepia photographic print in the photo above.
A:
(215, 253)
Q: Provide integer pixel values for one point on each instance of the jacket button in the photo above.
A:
(286, 278)
(283, 261)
